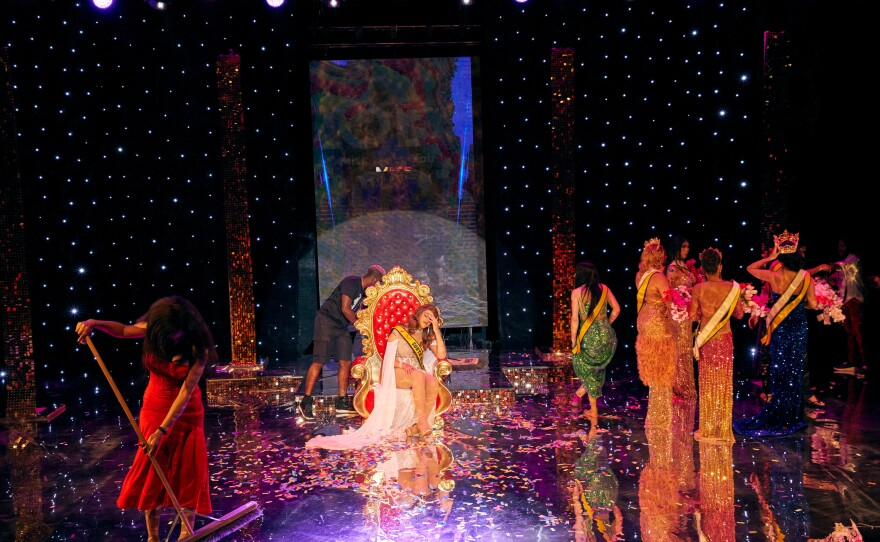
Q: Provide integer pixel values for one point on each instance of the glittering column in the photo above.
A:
(238, 244)
(562, 162)
(775, 185)
(18, 345)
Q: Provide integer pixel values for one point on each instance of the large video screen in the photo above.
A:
(398, 176)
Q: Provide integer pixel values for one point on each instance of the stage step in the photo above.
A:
(474, 380)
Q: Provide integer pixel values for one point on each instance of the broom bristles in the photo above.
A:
(227, 524)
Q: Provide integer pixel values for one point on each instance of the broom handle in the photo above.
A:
(140, 435)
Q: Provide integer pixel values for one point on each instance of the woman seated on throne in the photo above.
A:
(406, 397)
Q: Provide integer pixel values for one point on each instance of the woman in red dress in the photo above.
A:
(177, 347)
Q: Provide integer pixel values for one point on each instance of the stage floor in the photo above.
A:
(495, 472)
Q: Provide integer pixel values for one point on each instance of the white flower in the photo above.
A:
(830, 303)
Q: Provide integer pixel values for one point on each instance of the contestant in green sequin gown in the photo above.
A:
(597, 349)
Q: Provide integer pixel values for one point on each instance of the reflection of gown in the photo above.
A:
(183, 454)
(597, 478)
(393, 411)
(784, 413)
(716, 520)
(597, 349)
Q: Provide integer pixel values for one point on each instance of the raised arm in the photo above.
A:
(114, 329)
(758, 268)
(439, 345)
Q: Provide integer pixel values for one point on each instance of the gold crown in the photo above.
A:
(652, 241)
(786, 242)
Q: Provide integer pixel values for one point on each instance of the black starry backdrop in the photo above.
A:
(118, 142)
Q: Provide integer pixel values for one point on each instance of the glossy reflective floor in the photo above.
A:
(537, 470)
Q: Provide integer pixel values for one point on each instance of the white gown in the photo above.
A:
(393, 410)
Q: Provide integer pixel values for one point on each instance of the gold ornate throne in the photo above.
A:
(390, 303)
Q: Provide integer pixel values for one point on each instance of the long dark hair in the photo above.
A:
(587, 274)
(176, 328)
(675, 246)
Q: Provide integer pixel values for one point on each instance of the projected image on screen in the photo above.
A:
(398, 176)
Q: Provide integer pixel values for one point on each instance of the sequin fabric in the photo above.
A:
(655, 347)
(784, 413)
(597, 348)
(683, 385)
(716, 520)
(716, 389)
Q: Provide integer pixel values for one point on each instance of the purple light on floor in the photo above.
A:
(102, 4)
(275, 3)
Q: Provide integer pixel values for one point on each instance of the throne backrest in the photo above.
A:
(387, 304)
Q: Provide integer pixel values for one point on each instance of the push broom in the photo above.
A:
(217, 528)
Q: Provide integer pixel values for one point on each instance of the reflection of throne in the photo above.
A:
(394, 489)
(390, 303)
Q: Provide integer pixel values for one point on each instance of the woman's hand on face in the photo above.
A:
(434, 320)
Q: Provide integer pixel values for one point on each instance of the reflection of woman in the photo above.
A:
(716, 520)
(411, 481)
(594, 493)
(406, 395)
(791, 290)
(679, 273)
(592, 337)
(177, 346)
(655, 346)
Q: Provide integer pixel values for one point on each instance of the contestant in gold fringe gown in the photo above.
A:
(655, 346)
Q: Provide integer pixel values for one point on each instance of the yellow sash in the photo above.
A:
(717, 321)
(786, 303)
(643, 289)
(416, 347)
(585, 325)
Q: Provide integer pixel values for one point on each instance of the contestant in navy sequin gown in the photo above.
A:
(792, 292)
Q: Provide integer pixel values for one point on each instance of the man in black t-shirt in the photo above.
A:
(332, 337)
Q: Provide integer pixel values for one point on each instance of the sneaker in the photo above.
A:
(307, 407)
(344, 405)
(846, 368)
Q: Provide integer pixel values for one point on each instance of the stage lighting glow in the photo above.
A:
(333, 3)
(102, 4)
(275, 3)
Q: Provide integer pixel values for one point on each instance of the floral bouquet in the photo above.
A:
(697, 272)
(830, 303)
(753, 303)
(681, 300)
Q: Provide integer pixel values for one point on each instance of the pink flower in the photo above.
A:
(681, 300)
(752, 301)
(830, 303)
